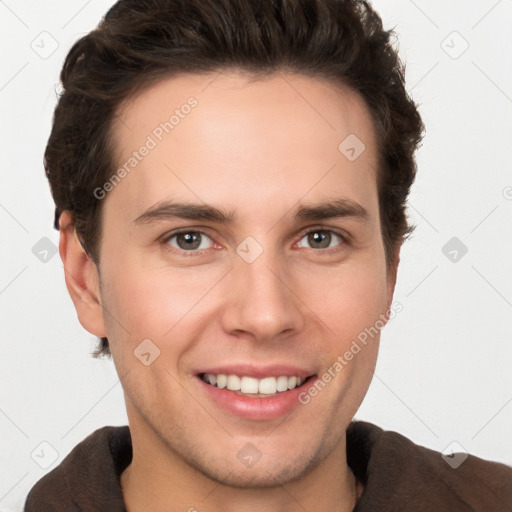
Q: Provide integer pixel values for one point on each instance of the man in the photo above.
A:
(230, 180)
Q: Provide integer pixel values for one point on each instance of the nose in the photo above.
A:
(260, 300)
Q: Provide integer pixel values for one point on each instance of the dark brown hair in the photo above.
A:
(139, 42)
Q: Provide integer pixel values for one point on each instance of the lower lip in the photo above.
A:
(268, 408)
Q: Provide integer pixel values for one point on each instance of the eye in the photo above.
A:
(321, 239)
(189, 241)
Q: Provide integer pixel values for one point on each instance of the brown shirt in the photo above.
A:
(397, 474)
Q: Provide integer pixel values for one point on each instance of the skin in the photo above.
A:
(258, 148)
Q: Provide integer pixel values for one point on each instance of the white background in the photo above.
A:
(445, 368)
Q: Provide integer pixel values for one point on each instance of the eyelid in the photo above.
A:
(346, 238)
(164, 239)
(337, 231)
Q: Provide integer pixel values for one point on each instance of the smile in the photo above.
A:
(251, 386)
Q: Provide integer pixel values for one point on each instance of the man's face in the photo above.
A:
(263, 293)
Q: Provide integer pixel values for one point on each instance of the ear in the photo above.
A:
(392, 272)
(82, 277)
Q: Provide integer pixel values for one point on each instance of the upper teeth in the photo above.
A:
(265, 386)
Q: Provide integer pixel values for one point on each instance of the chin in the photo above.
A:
(257, 477)
(261, 474)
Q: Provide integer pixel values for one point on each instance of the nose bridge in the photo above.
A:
(261, 302)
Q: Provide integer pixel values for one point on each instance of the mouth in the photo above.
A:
(262, 395)
(252, 387)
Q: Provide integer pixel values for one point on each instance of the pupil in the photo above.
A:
(320, 238)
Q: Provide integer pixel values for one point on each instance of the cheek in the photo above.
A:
(142, 302)
(347, 300)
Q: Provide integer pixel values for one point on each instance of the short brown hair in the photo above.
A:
(139, 42)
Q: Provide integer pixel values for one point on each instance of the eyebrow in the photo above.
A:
(169, 209)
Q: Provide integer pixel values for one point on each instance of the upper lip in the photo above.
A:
(258, 372)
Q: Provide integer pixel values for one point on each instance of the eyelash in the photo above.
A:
(340, 247)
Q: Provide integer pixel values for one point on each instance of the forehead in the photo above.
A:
(230, 141)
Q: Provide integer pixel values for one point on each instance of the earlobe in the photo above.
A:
(81, 276)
